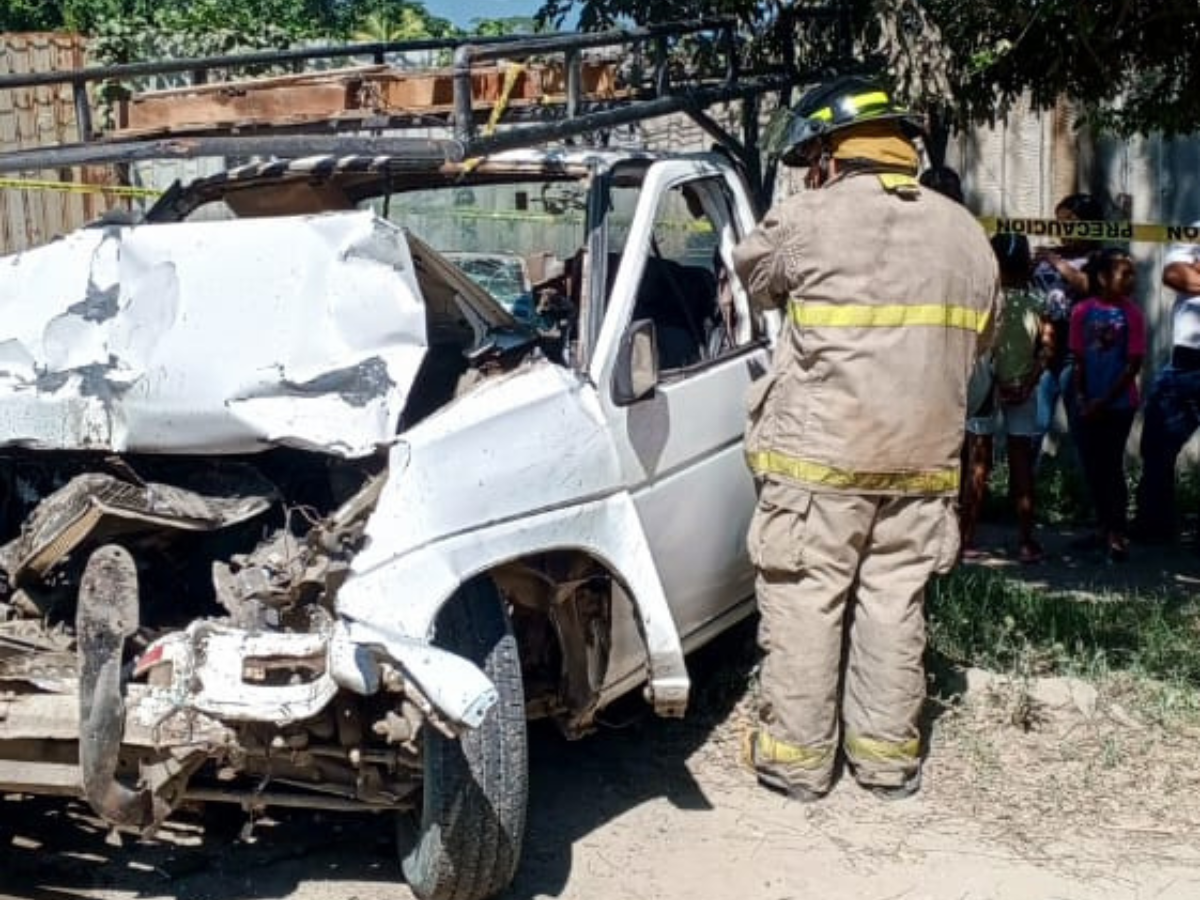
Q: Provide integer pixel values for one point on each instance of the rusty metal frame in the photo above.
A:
(651, 94)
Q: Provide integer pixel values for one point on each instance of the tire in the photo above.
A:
(467, 842)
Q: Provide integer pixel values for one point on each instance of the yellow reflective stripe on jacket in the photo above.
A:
(933, 481)
(891, 315)
(870, 750)
(767, 749)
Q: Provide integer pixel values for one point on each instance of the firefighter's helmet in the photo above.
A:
(835, 105)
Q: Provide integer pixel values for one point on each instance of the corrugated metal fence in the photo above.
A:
(1024, 166)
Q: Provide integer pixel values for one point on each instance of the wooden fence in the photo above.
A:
(36, 206)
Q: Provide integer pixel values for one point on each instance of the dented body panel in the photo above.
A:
(536, 471)
(211, 337)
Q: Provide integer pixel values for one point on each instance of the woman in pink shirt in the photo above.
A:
(1108, 342)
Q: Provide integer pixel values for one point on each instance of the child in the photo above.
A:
(976, 456)
(1063, 274)
(1108, 342)
(1017, 365)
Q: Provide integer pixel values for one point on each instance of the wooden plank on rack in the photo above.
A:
(308, 101)
(345, 94)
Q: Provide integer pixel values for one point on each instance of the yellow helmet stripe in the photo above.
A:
(859, 102)
(888, 315)
(932, 481)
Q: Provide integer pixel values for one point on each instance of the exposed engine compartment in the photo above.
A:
(258, 546)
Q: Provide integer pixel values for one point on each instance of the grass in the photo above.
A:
(977, 617)
(980, 618)
(1040, 769)
(1119, 752)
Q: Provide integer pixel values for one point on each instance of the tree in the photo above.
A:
(395, 20)
(251, 19)
(29, 15)
(1134, 65)
(507, 25)
(306, 17)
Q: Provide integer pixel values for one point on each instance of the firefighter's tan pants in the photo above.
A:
(841, 584)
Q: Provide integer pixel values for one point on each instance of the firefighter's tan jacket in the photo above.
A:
(888, 292)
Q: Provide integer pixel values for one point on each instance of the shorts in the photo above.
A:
(982, 426)
(1020, 419)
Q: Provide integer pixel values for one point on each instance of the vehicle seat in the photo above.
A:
(681, 301)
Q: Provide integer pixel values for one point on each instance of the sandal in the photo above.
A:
(1031, 554)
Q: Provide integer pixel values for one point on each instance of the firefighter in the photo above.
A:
(887, 290)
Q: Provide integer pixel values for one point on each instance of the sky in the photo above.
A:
(461, 12)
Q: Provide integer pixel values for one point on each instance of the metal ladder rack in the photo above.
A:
(650, 88)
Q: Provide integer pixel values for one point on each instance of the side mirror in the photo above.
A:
(636, 373)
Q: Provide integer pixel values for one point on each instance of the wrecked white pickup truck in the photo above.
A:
(294, 511)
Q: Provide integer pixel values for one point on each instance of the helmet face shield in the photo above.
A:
(801, 144)
(776, 133)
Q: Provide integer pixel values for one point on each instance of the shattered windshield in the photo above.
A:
(508, 238)
(504, 276)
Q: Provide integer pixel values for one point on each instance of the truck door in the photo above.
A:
(682, 443)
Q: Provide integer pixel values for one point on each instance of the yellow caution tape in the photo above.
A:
(77, 187)
(511, 75)
(1092, 231)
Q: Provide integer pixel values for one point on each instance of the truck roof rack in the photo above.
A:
(488, 100)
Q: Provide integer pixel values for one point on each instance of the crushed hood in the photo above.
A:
(222, 337)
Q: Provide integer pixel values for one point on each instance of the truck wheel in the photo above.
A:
(467, 841)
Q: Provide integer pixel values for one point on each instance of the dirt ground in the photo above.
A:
(1032, 792)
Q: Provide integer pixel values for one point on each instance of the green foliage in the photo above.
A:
(132, 30)
(1135, 66)
(1187, 489)
(30, 15)
(131, 40)
(1061, 495)
(978, 617)
(259, 21)
(392, 20)
(768, 31)
(509, 25)
(403, 24)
